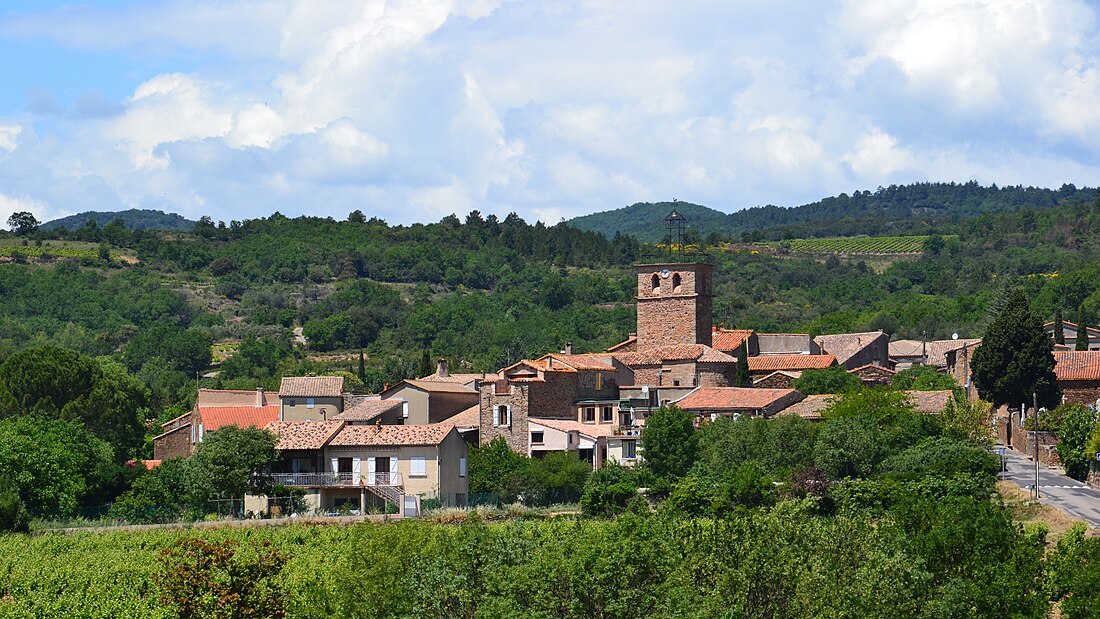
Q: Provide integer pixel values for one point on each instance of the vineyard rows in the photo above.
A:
(855, 245)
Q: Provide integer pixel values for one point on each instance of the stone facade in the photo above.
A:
(516, 397)
(1023, 440)
(1080, 391)
(173, 444)
(675, 304)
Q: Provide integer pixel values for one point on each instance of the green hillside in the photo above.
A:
(888, 211)
(135, 219)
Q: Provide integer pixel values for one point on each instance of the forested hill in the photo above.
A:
(894, 209)
(134, 219)
(645, 221)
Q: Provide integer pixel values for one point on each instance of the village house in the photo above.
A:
(431, 401)
(1078, 374)
(213, 409)
(779, 379)
(924, 402)
(784, 344)
(352, 466)
(1069, 332)
(907, 353)
(853, 350)
(311, 398)
(764, 365)
(469, 380)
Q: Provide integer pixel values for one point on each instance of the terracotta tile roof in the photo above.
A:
(312, 386)
(535, 364)
(461, 379)
(680, 352)
(469, 418)
(1077, 364)
(627, 342)
(929, 402)
(771, 363)
(936, 349)
(733, 398)
(729, 340)
(423, 434)
(1093, 331)
(233, 397)
(591, 430)
(844, 346)
(304, 434)
(809, 408)
(214, 417)
(148, 464)
(367, 410)
(434, 386)
(588, 362)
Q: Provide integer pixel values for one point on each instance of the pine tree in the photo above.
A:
(1015, 358)
(1082, 329)
(742, 379)
(1059, 329)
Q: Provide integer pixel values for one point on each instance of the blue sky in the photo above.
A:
(413, 110)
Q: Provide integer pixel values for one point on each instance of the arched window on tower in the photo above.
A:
(676, 283)
(656, 282)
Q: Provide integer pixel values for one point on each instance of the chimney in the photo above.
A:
(259, 396)
(569, 348)
(441, 369)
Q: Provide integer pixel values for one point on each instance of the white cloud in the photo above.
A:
(413, 110)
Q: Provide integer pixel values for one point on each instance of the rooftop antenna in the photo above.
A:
(675, 223)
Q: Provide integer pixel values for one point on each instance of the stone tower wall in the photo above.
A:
(670, 314)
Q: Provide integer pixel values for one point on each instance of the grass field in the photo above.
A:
(868, 245)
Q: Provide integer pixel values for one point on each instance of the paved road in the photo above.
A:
(1065, 493)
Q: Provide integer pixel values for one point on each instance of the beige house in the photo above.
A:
(311, 398)
(595, 443)
(431, 401)
(345, 466)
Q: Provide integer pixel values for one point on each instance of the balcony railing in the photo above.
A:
(337, 479)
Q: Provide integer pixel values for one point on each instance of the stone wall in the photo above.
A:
(1023, 441)
(1080, 391)
(717, 374)
(174, 444)
(514, 395)
(674, 314)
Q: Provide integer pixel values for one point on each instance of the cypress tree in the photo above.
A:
(1059, 330)
(1015, 358)
(1082, 329)
(362, 368)
(742, 379)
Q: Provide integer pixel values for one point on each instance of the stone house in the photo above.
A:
(779, 379)
(1078, 374)
(431, 401)
(907, 353)
(783, 344)
(853, 350)
(213, 409)
(555, 386)
(687, 365)
(341, 465)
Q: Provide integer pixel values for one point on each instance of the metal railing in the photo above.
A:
(337, 479)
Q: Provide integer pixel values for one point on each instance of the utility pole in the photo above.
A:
(1035, 436)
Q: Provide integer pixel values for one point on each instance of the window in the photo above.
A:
(537, 437)
(676, 283)
(502, 415)
(590, 414)
(675, 383)
(630, 450)
(416, 467)
(656, 282)
(311, 402)
(608, 415)
(343, 465)
(462, 467)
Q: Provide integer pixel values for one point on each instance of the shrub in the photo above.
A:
(13, 514)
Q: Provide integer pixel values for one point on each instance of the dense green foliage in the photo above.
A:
(556, 477)
(923, 378)
(671, 442)
(833, 379)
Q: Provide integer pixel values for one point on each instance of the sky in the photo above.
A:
(410, 111)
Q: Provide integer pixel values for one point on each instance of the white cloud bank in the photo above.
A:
(413, 110)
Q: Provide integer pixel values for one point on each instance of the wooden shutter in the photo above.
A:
(356, 467)
(393, 467)
(370, 471)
